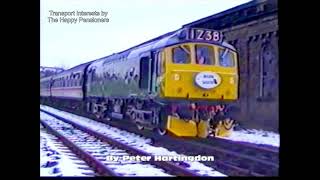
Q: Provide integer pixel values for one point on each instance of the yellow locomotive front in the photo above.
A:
(201, 70)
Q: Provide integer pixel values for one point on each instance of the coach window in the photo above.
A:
(78, 79)
(226, 57)
(75, 80)
(63, 82)
(68, 81)
(204, 55)
(72, 80)
(81, 81)
(181, 55)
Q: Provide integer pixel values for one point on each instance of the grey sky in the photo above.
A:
(131, 22)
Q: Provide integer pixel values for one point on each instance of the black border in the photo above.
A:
(21, 83)
(21, 77)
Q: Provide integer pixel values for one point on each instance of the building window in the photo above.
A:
(267, 80)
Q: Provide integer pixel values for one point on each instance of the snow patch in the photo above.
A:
(54, 162)
(256, 137)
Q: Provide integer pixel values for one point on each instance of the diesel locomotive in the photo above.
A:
(177, 82)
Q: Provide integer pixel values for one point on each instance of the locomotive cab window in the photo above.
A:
(226, 57)
(181, 55)
(204, 55)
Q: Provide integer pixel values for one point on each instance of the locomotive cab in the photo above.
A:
(200, 71)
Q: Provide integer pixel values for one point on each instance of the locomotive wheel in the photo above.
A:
(161, 131)
(139, 126)
(106, 117)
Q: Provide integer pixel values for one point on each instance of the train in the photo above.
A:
(179, 82)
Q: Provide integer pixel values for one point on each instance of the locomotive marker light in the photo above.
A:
(207, 80)
(176, 77)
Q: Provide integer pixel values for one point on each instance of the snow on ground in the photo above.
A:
(54, 162)
(124, 168)
(256, 137)
(130, 138)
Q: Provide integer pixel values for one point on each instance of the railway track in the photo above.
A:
(231, 158)
(94, 148)
(245, 159)
(260, 152)
(53, 155)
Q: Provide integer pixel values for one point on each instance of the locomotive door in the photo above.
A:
(156, 63)
(145, 72)
(153, 72)
(148, 72)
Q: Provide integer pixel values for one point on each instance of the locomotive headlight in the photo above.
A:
(176, 77)
(231, 80)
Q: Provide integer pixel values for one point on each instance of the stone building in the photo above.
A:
(253, 29)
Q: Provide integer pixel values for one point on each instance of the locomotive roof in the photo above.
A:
(170, 38)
